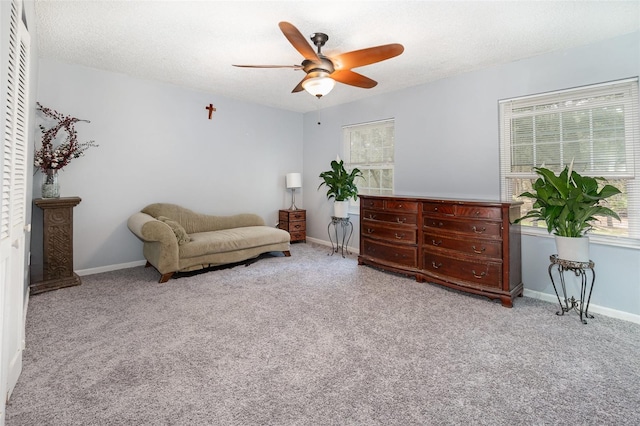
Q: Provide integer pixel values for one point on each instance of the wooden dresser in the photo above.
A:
(295, 223)
(472, 246)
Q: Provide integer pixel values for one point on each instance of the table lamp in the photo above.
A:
(294, 181)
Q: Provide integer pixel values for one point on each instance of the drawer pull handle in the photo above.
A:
(370, 230)
(436, 243)
(436, 223)
(482, 275)
(435, 209)
(404, 256)
(372, 216)
(475, 250)
(480, 231)
(297, 226)
(477, 213)
(371, 249)
(436, 266)
(401, 220)
(399, 206)
(399, 236)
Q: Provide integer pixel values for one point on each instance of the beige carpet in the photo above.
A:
(315, 340)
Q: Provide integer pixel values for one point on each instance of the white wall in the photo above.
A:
(157, 145)
(447, 145)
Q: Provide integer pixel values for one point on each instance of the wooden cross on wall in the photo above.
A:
(211, 109)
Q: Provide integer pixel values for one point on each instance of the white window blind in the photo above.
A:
(371, 148)
(595, 127)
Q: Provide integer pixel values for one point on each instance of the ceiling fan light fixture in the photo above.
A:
(319, 85)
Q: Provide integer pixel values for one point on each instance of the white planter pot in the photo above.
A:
(341, 208)
(574, 249)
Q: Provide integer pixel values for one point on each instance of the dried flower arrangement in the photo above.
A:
(48, 158)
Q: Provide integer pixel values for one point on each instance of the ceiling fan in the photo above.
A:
(322, 71)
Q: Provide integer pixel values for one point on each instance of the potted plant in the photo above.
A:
(569, 203)
(340, 186)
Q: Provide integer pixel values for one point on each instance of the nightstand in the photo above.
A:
(295, 223)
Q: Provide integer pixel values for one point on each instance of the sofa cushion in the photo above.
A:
(177, 229)
(227, 240)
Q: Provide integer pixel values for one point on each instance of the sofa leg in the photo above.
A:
(165, 277)
(147, 264)
(287, 253)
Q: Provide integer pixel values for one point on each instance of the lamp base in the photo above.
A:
(293, 200)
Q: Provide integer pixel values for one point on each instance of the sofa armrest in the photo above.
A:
(160, 246)
(149, 229)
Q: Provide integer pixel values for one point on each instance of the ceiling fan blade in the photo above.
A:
(299, 87)
(353, 79)
(269, 66)
(298, 41)
(371, 55)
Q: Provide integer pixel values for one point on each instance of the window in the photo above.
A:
(370, 148)
(595, 127)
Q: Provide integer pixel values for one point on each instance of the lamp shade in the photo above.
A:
(294, 180)
(320, 85)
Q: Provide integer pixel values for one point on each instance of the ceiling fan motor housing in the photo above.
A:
(325, 65)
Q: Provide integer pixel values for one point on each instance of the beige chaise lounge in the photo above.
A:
(179, 240)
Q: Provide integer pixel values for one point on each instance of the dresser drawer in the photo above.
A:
(409, 219)
(298, 236)
(480, 247)
(438, 209)
(372, 204)
(405, 206)
(483, 274)
(479, 212)
(294, 226)
(476, 228)
(407, 235)
(404, 256)
(291, 215)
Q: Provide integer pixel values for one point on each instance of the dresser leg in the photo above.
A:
(507, 301)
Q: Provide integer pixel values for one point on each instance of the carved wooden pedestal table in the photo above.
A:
(58, 244)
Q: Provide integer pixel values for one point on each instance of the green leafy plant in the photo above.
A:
(340, 183)
(568, 202)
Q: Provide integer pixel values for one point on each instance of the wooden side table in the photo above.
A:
(58, 244)
(295, 223)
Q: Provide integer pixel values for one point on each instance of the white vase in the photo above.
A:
(341, 208)
(575, 249)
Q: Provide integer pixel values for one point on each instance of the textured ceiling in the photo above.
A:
(194, 43)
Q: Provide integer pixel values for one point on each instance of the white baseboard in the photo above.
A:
(110, 268)
(594, 309)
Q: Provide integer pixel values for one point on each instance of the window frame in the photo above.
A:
(354, 206)
(632, 149)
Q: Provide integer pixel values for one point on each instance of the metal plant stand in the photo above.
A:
(346, 227)
(580, 269)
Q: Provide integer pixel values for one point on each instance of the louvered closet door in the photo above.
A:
(13, 201)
